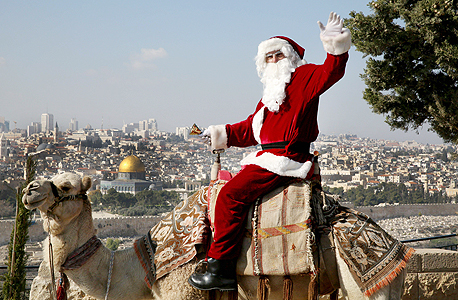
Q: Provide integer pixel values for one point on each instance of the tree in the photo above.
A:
(411, 74)
(15, 280)
(112, 197)
(113, 244)
(96, 198)
(7, 200)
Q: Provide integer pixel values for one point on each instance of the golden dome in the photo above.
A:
(131, 164)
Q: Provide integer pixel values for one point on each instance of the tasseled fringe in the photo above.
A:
(263, 288)
(232, 295)
(287, 288)
(61, 293)
(313, 287)
(390, 277)
(334, 295)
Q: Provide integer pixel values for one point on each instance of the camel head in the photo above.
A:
(60, 199)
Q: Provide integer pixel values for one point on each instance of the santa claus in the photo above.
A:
(284, 123)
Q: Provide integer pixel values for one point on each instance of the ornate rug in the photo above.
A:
(374, 257)
(279, 236)
(177, 234)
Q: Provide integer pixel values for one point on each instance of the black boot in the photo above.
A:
(220, 275)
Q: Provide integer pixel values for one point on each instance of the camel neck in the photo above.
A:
(76, 233)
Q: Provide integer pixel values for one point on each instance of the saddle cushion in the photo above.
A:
(177, 234)
(280, 242)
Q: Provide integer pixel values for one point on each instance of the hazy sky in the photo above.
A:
(180, 62)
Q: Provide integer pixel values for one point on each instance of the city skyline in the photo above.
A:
(140, 126)
(117, 63)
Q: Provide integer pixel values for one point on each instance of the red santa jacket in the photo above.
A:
(295, 122)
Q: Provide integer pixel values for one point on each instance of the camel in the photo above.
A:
(67, 216)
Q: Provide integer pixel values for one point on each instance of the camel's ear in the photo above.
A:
(86, 184)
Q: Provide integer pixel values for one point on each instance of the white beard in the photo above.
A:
(275, 77)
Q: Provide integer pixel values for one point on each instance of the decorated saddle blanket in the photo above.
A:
(374, 257)
(279, 236)
(177, 234)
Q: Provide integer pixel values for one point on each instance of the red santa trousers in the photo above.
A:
(232, 207)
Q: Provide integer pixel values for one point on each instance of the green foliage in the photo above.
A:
(115, 199)
(139, 211)
(389, 193)
(7, 201)
(15, 279)
(96, 198)
(146, 202)
(412, 70)
(157, 198)
(113, 244)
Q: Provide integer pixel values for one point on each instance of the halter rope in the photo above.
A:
(110, 270)
(51, 262)
(58, 194)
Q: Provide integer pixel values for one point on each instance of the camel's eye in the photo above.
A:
(65, 188)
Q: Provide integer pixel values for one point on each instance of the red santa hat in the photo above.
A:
(290, 49)
(277, 43)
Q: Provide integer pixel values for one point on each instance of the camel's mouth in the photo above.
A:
(32, 202)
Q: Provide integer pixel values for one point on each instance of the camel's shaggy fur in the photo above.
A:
(70, 226)
(168, 286)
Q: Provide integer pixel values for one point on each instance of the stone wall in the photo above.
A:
(138, 226)
(407, 210)
(432, 274)
(5, 231)
(106, 227)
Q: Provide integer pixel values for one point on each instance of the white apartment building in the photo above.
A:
(131, 127)
(150, 125)
(47, 122)
(73, 125)
(34, 127)
(183, 132)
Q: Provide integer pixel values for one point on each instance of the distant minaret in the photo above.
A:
(56, 133)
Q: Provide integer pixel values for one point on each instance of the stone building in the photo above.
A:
(3, 146)
(131, 178)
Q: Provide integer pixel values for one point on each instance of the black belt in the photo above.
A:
(298, 147)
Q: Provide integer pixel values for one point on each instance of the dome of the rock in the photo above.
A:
(131, 164)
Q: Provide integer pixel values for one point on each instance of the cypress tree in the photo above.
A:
(15, 279)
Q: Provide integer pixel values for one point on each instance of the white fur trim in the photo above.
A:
(218, 136)
(272, 45)
(337, 44)
(256, 124)
(280, 165)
